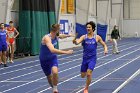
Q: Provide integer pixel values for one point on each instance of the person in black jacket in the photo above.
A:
(115, 36)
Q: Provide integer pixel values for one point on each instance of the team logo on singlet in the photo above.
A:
(90, 42)
(2, 33)
(55, 43)
(11, 34)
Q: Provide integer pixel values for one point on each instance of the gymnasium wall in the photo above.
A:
(108, 12)
(131, 9)
(3, 8)
(67, 23)
(131, 28)
(131, 23)
(117, 14)
(82, 11)
(57, 2)
(15, 13)
(16, 5)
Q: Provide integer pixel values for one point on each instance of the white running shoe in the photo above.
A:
(11, 61)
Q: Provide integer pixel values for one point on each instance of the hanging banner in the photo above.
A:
(63, 6)
(64, 26)
(101, 31)
(71, 6)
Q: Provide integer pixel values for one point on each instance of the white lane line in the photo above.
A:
(127, 81)
(115, 70)
(95, 68)
(58, 59)
(118, 59)
(34, 80)
(45, 77)
(59, 64)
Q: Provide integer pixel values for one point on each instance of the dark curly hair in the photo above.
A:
(92, 24)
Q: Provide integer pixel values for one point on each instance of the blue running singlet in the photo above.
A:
(47, 58)
(89, 53)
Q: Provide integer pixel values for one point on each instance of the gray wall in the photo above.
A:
(131, 23)
(3, 7)
(16, 5)
(107, 11)
(131, 27)
(81, 11)
(132, 9)
(57, 2)
(102, 10)
(14, 11)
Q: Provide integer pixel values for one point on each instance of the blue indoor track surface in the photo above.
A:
(26, 76)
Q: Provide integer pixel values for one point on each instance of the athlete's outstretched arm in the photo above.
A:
(78, 41)
(54, 50)
(103, 44)
(62, 36)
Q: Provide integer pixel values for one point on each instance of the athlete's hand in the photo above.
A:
(74, 41)
(105, 52)
(70, 52)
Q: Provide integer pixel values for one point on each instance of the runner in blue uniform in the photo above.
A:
(3, 44)
(48, 57)
(89, 43)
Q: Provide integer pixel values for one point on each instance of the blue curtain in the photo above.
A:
(80, 29)
(101, 31)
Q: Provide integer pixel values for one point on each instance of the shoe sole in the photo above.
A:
(55, 92)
